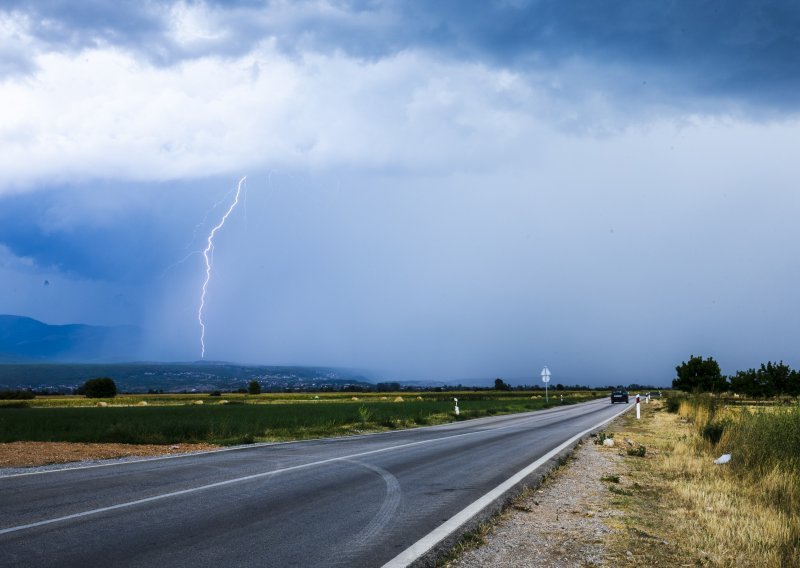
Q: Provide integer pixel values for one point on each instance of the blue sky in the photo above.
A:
(435, 190)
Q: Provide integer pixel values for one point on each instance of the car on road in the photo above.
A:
(619, 396)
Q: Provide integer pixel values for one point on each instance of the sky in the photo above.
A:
(435, 190)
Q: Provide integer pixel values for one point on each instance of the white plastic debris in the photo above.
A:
(608, 442)
(724, 458)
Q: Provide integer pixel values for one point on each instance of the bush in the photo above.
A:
(713, 432)
(638, 452)
(601, 438)
(254, 387)
(102, 387)
(673, 404)
(215, 393)
(16, 395)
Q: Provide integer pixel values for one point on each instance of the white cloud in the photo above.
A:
(103, 114)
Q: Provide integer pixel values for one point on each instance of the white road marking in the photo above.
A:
(534, 417)
(426, 543)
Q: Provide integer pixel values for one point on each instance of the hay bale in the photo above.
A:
(223, 401)
(354, 398)
(384, 398)
(398, 399)
(141, 403)
(101, 403)
(419, 398)
(198, 402)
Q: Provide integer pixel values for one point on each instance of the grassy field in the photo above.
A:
(682, 509)
(235, 419)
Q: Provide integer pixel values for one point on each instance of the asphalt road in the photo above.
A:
(351, 502)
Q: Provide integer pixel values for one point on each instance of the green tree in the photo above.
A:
(501, 386)
(699, 374)
(771, 379)
(254, 387)
(746, 382)
(101, 387)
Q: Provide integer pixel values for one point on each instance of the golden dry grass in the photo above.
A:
(686, 511)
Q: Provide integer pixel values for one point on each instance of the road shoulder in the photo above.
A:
(566, 521)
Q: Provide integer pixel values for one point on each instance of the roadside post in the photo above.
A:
(456, 410)
(638, 408)
(545, 380)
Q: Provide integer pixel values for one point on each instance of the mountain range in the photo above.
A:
(24, 339)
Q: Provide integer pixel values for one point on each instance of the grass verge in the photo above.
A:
(681, 509)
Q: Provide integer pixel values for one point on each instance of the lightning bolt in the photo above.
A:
(207, 256)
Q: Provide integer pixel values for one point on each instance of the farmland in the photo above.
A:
(237, 418)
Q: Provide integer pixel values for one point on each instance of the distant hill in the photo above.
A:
(25, 339)
(177, 377)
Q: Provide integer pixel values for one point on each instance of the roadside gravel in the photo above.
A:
(565, 522)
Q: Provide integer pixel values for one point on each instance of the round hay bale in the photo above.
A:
(141, 403)
(354, 398)
(398, 399)
(384, 398)
(101, 403)
(223, 401)
(198, 402)
(419, 398)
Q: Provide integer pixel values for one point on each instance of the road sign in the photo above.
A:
(545, 380)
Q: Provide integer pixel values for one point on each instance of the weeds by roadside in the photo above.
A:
(745, 513)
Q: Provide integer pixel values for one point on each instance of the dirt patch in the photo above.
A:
(567, 521)
(30, 454)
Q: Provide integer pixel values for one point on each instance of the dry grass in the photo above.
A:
(687, 511)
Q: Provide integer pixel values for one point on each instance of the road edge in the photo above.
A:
(426, 551)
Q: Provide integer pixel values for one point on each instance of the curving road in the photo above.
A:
(375, 500)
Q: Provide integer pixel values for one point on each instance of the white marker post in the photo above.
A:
(456, 410)
(545, 380)
(638, 409)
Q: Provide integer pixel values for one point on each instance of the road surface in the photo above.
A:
(350, 502)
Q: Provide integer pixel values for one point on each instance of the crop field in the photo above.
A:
(237, 419)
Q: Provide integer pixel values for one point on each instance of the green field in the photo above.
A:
(236, 419)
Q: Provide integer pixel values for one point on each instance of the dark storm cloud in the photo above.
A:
(747, 50)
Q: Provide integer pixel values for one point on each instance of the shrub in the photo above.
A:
(673, 404)
(713, 431)
(254, 387)
(16, 395)
(364, 414)
(215, 393)
(601, 437)
(638, 452)
(101, 387)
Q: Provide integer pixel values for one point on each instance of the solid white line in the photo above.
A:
(426, 543)
(257, 476)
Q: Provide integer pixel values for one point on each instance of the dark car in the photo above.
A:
(619, 396)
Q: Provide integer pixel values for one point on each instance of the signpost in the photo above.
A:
(545, 380)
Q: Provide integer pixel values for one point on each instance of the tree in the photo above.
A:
(501, 386)
(254, 387)
(771, 379)
(101, 387)
(699, 374)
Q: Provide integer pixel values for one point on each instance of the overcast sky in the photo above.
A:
(435, 190)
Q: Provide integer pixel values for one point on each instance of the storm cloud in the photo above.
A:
(440, 190)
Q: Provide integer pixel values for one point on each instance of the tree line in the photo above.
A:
(770, 379)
